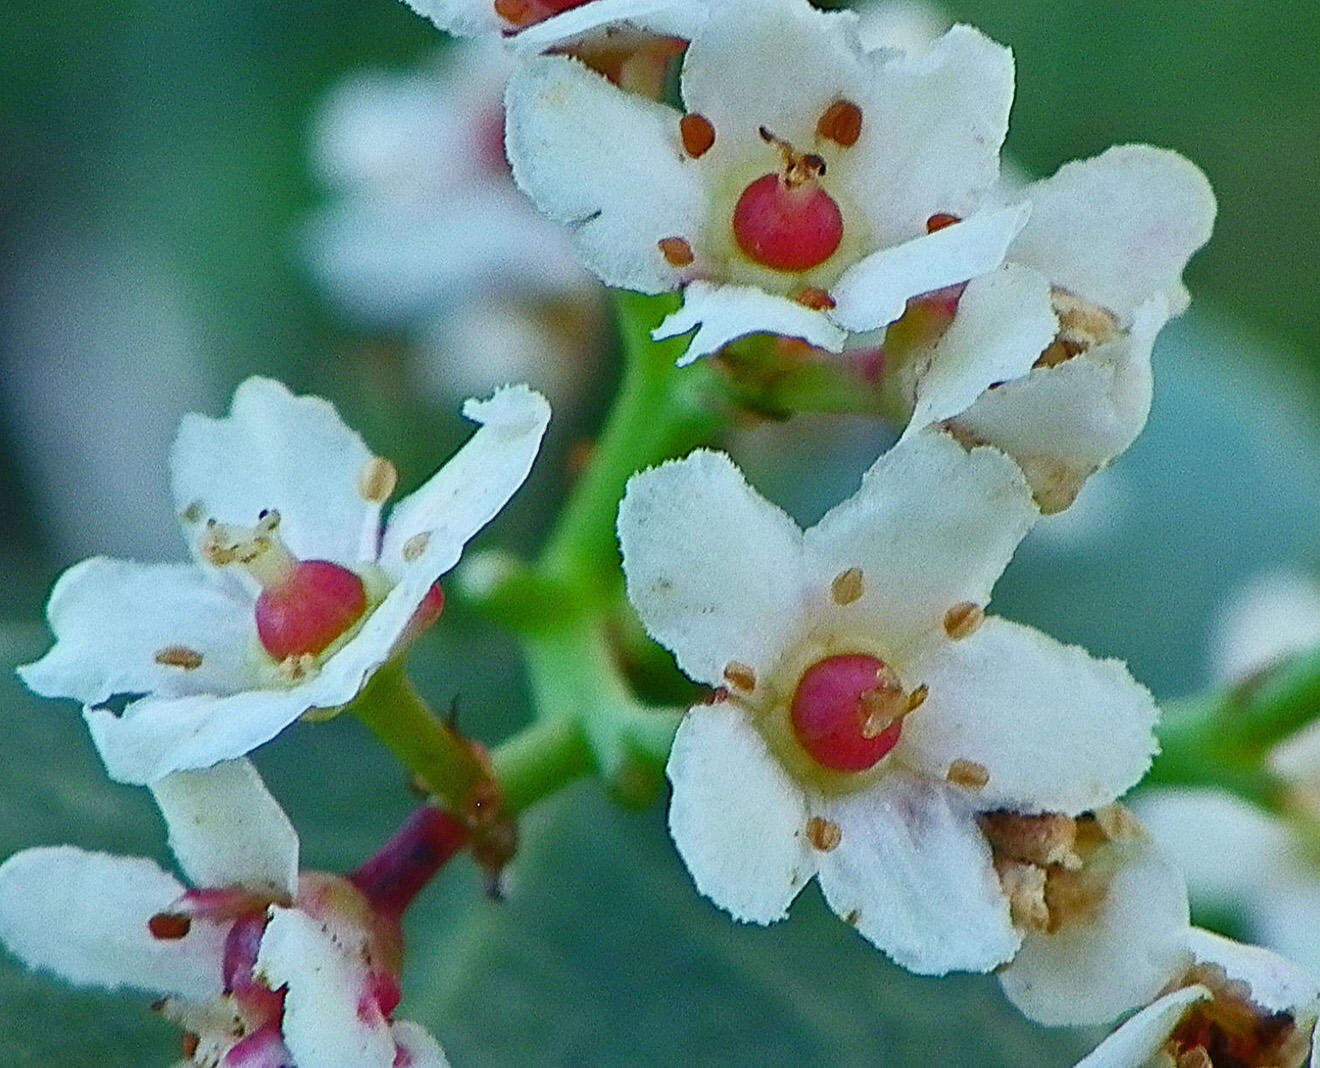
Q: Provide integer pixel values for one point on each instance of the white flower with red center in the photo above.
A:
(868, 711)
(259, 964)
(808, 189)
(1049, 357)
(298, 592)
(1104, 915)
(1234, 1005)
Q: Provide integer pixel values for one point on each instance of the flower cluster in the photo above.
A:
(952, 780)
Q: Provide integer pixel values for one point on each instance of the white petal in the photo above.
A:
(112, 617)
(672, 18)
(1090, 972)
(1004, 322)
(1056, 729)
(278, 451)
(158, 736)
(1277, 984)
(712, 566)
(1118, 229)
(1141, 1038)
(607, 163)
(733, 73)
(328, 1019)
(418, 1048)
(1064, 422)
(84, 916)
(932, 129)
(1273, 616)
(873, 292)
(227, 830)
(392, 263)
(1197, 828)
(464, 18)
(912, 871)
(724, 313)
(737, 819)
(473, 485)
(931, 526)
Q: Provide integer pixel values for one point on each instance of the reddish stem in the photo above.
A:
(428, 839)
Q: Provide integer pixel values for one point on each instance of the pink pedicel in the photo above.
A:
(314, 605)
(832, 706)
(787, 226)
(428, 839)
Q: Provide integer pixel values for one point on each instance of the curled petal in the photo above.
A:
(415, 1047)
(1135, 1043)
(723, 313)
(912, 871)
(737, 819)
(227, 830)
(429, 528)
(1004, 322)
(84, 917)
(669, 18)
(873, 292)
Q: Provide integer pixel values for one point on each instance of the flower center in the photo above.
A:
(848, 711)
(785, 220)
(304, 605)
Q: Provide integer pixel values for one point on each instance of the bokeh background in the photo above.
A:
(155, 187)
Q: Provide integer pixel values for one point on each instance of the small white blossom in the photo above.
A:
(1271, 617)
(426, 232)
(870, 710)
(1048, 358)
(254, 960)
(807, 206)
(297, 593)
(1234, 1005)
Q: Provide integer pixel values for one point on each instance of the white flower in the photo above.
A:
(543, 24)
(255, 959)
(1271, 617)
(1063, 332)
(1235, 1005)
(425, 213)
(1278, 902)
(296, 596)
(1104, 915)
(426, 231)
(808, 204)
(872, 710)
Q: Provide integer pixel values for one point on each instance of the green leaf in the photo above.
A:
(605, 954)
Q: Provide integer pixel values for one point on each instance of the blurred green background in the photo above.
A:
(153, 174)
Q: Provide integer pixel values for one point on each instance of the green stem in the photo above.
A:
(660, 411)
(540, 759)
(449, 766)
(1222, 738)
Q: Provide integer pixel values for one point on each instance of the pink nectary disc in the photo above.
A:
(310, 609)
(787, 228)
(829, 712)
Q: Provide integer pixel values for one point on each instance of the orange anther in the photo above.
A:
(940, 220)
(815, 299)
(841, 123)
(697, 133)
(677, 252)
